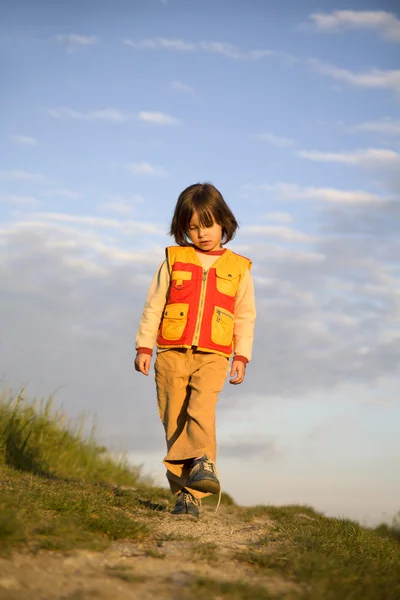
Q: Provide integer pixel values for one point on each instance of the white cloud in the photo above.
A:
(158, 118)
(98, 222)
(289, 191)
(17, 199)
(105, 114)
(121, 205)
(371, 157)
(280, 217)
(62, 193)
(276, 140)
(24, 140)
(371, 79)
(159, 42)
(386, 125)
(232, 51)
(133, 199)
(146, 169)
(113, 115)
(120, 208)
(226, 49)
(179, 86)
(385, 23)
(73, 41)
(297, 257)
(52, 221)
(68, 238)
(283, 233)
(16, 175)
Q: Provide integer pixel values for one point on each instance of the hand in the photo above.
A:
(238, 369)
(142, 363)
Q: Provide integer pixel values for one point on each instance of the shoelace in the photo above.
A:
(209, 466)
(220, 489)
(188, 498)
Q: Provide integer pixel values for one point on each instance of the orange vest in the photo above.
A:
(200, 305)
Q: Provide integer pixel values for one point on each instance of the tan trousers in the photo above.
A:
(188, 383)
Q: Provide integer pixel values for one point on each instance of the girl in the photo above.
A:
(199, 309)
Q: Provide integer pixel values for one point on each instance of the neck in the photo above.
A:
(215, 252)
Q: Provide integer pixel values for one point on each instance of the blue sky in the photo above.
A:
(110, 109)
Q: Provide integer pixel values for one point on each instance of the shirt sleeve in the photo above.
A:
(245, 317)
(153, 308)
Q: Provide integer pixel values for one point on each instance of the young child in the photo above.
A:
(199, 309)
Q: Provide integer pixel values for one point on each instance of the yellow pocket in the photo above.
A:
(226, 281)
(222, 326)
(174, 321)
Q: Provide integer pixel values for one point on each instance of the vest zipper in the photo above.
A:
(201, 308)
(222, 312)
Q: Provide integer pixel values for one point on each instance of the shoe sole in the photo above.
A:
(205, 485)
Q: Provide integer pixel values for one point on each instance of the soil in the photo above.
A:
(181, 550)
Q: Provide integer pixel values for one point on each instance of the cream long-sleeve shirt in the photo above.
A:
(245, 311)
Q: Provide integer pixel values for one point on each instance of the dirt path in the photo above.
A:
(180, 551)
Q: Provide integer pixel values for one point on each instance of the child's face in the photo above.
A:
(205, 238)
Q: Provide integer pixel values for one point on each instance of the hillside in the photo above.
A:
(76, 525)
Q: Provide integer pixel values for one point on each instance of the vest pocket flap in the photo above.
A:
(181, 275)
(176, 311)
(227, 280)
(225, 272)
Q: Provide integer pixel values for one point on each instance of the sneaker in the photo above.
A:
(186, 504)
(203, 476)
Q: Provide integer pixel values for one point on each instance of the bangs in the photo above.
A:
(205, 216)
(200, 205)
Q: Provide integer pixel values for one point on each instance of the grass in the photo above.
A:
(155, 553)
(125, 573)
(58, 515)
(390, 531)
(333, 559)
(204, 589)
(207, 552)
(226, 500)
(36, 438)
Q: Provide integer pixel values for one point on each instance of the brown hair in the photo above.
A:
(208, 203)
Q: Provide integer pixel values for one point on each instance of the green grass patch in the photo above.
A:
(333, 559)
(277, 512)
(205, 589)
(207, 552)
(36, 438)
(173, 537)
(12, 530)
(155, 553)
(125, 573)
(226, 500)
(59, 515)
(390, 531)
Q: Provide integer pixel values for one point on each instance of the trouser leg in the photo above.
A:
(188, 384)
